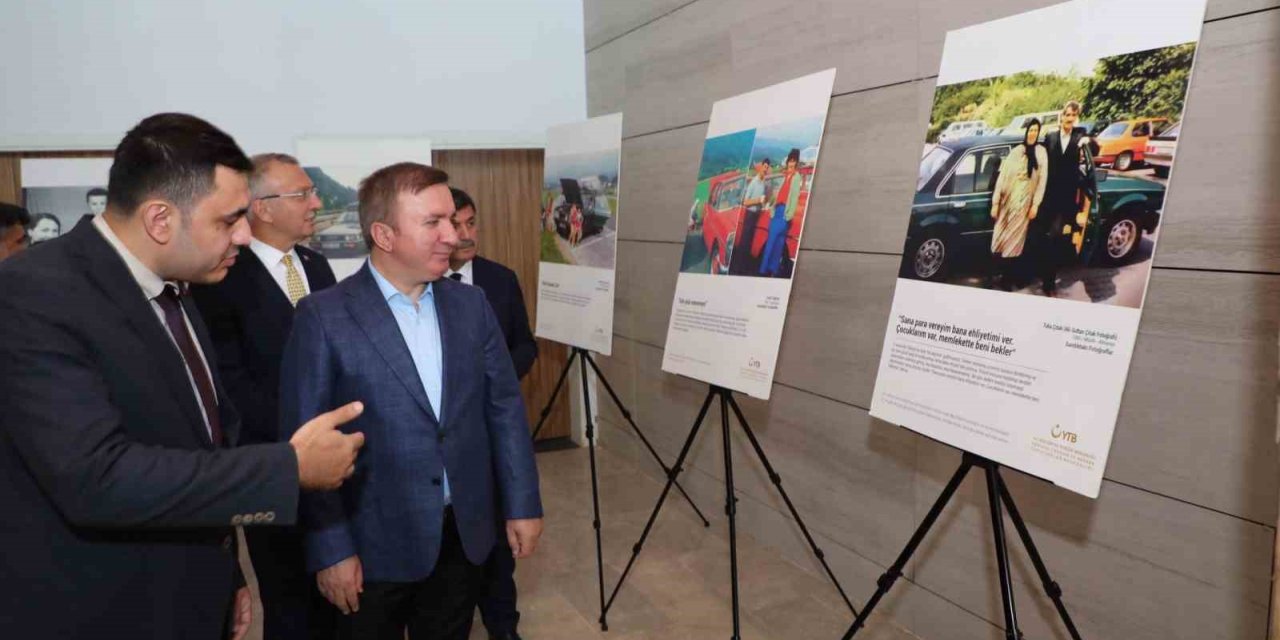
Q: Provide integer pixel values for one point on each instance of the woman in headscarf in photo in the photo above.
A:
(1016, 199)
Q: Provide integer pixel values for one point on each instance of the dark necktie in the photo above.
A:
(456, 276)
(173, 317)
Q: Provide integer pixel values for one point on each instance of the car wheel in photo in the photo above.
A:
(719, 265)
(929, 258)
(1124, 161)
(1122, 239)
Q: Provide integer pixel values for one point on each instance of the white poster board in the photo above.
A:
(336, 166)
(59, 192)
(1026, 260)
(743, 234)
(578, 219)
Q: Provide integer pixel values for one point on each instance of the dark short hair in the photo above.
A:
(173, 156)
(379, 192)
(461, 200)
(36, 218)
(1072, 104)
(765, 160)
(11, 214)
(96, 191)
(793, 156)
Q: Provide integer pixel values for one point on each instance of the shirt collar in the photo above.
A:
(269, 255)
(389, 291)
(466, 272)
(151, 284)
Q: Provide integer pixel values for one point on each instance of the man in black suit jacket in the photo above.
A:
(120, 488)
(1053, 248)
(502, 288)
(249, 315)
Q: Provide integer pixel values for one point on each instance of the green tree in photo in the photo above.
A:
(1143, 84)
(996, 101)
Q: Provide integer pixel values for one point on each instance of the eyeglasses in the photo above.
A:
(305, 193)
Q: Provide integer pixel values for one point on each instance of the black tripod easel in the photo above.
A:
(585, 358)
(727, 402)
(997, 494)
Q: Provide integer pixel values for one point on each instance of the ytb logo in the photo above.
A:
(1059, 434)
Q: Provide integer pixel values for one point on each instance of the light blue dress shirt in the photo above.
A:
(421, 331)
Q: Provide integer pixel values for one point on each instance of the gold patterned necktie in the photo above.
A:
(293, 281)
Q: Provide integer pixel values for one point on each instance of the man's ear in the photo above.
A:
(159, 220)
(383, 235)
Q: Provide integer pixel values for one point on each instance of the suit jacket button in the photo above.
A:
(226, 543)
(435, 482)
(236, 520)
(440, 437)
(271, 516)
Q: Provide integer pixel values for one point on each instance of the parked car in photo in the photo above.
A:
(1123, 144)
(963, 129)
(1160, 148)
(1048, 123)
(951, 226)
(594, 205)
(723, 217)
(342, 238)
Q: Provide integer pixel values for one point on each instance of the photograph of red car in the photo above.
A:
(750, 202)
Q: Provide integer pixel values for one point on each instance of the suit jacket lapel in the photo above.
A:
(449, 333)
(108, 270)
(317, 277)
(267, 289)
(370, 310)
(230, 419)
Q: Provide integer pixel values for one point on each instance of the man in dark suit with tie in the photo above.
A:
(401, 546)
(502, 288)
(1061, 201)
(119, 482)
(249, 315)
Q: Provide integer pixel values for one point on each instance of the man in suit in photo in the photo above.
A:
(14, 221)
(117, 472)
(249, 315)
(403, 543)
(1060, 203)
(502, 288)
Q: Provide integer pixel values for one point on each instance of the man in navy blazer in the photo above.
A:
(502, 288)
(120, 473)
(447, 444)
(249, 315)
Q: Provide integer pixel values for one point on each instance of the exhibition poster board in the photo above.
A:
(59, 192)
(578, 219)
(336, 166)
(743, 234)
(1032, 232)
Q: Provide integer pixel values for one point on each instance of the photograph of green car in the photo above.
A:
(1029, 209)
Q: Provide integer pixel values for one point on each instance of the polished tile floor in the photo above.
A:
(679, 588)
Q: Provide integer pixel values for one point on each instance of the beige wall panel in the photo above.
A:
(1198, 420)
(659, 172)
(867, 171)
(835, 324)
(671, 71)
(1132, 564)
(1198, 417)
(643, 303)
(1224, 208)
(605, 20)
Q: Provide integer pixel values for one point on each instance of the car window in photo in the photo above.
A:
(1114, 131)
(975, 173)
(930, 164)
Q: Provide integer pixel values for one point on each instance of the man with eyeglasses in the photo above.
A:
(13, 229)
(250, 314)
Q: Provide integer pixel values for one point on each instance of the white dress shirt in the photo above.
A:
(466, 270)
(152, 286)
(273, 259)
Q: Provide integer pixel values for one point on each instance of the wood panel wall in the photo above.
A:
(1180, 543)
(506, 186)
